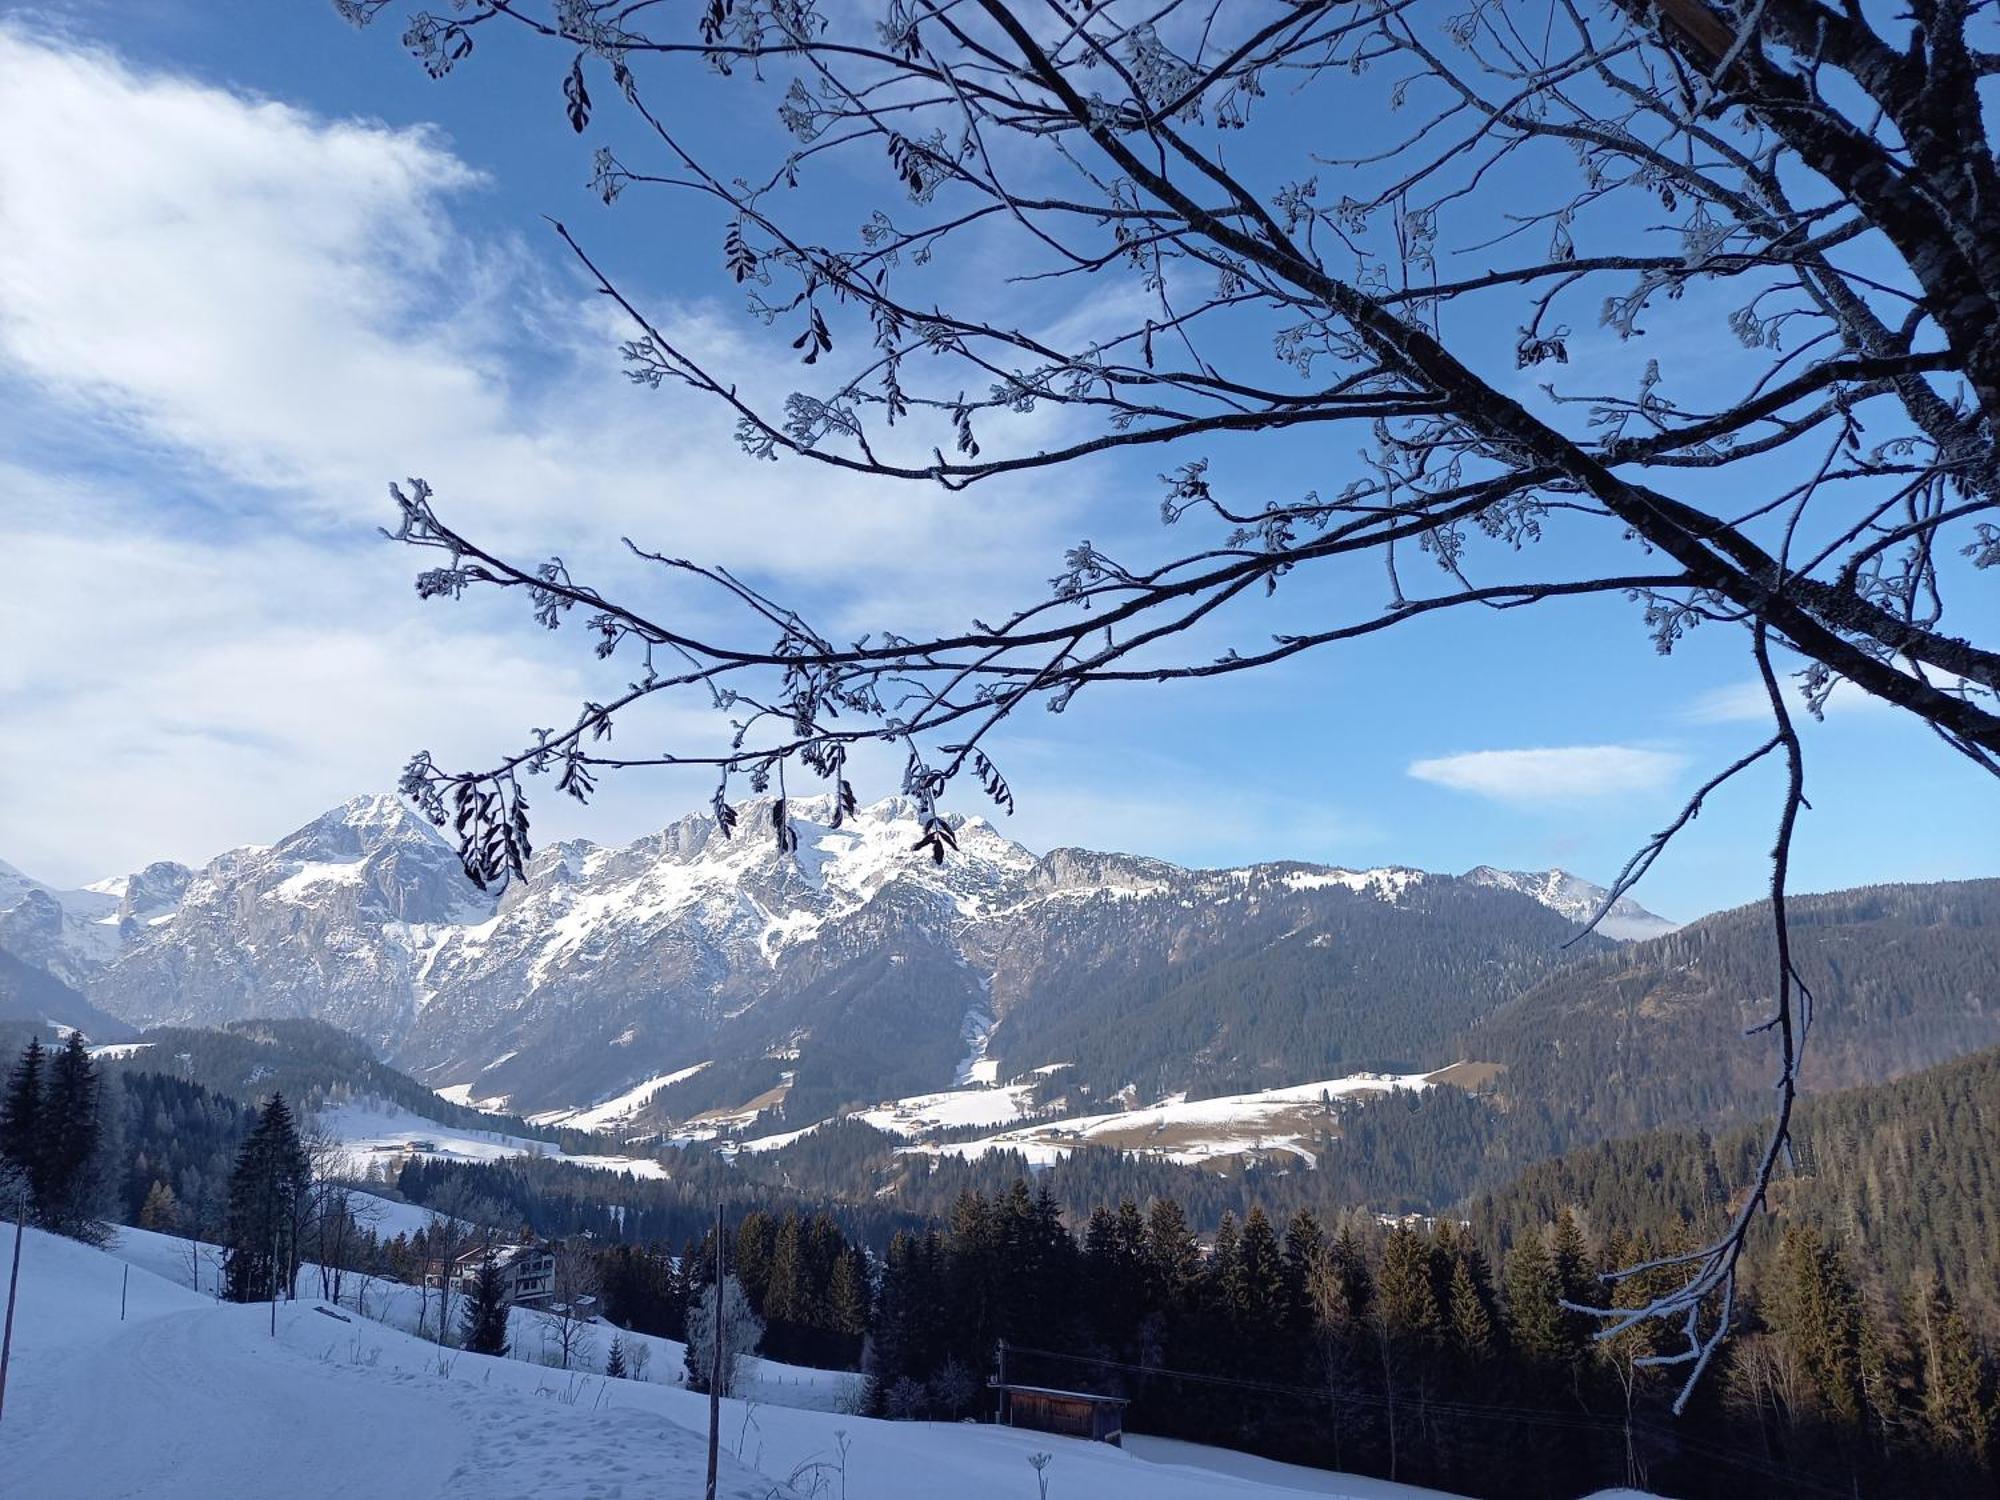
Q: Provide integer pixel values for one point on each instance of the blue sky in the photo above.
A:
(254, 264)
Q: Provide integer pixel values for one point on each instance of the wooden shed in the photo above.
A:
(1071, 1413)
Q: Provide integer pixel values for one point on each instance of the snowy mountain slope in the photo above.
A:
(1578, 900)
(189, 1399)
(337, 921)
(849, 971)
(70, 934)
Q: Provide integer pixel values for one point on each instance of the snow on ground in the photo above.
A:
(385, 1218)
(921, 1113)
(617, 1109)
(461, 1094)
(119, 1049)
(1193, 1131)
(191, 1399)
(375, 1130)
(1279, 1477)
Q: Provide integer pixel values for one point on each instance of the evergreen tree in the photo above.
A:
(1955, 1404)
(1173, 1259)
(21, 1132)
(614, 1362)
(786, 1295)
(271, 1173)
(1259, 1302)
(70, 1130)
(1470, 1318)
(847, 1298)
(1813, 1308)
(756, 1239)
(1350, 1268)
(485, 1314)
(1405, 1300)
(1576, 1280)
(1305, 1254)
(1536, 1324)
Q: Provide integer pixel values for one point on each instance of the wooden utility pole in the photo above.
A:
(124, 1291)
(13, 1285)
(274, 1278)
(715, 1363)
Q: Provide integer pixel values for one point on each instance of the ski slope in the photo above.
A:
(191, 1399)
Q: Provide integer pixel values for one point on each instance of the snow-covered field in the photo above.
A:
(620, 1107)
(374, 1130)
(191, 1399)
(1193, 1131)
(1177, 1129)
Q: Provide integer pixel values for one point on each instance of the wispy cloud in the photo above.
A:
(1555, 774)
(251, 317)
(306, 308)
(1747, 702)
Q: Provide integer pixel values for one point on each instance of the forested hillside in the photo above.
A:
(1904, 1177)
(309, 1062)
(1902, 976)
(32, 995)
(1652, 1036)
(1293, 980)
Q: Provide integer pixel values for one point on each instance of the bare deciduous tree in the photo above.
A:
(458, 1220)
(572, 1302)
(1346, 227)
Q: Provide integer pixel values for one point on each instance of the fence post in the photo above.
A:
(715, 1361)
(13, 1285)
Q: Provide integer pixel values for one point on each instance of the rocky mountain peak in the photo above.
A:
(1577, 899)
(357, 828)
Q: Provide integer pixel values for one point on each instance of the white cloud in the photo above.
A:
(252, 317)
(1556, 774)
(1747, 702)
(295, 303)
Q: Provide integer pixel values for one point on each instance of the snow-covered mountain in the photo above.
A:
(844, 970)
(1578, 900)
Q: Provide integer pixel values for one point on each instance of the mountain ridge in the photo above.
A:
(609, 964)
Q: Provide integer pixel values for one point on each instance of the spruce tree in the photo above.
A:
(70, 1131)
(1813, 1308)
(271, 1172)
(614, 1362)
(1260, 1302)
(1350, 1268)
(1536, 1323)
(847, 1298)
(1955, 1404)
(1305, 1251)
(1406, 1302)
(1576, 1280)
(21, 1121)
(785, 1293)
(1471, 1322)
(485, 1313)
